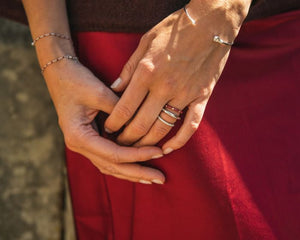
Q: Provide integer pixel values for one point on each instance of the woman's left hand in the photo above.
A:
(176, 63)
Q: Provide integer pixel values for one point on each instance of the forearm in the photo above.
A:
(46, 16)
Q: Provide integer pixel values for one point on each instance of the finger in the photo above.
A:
(190, 125)
(131, 172)
(127, 105)
(90, 142)
(102, 98)
(142, 173)
(160, 129)
(143, 120)
(108, 168)
(127, 72)
(135, 180)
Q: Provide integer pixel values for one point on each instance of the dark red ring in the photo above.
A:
(173, 108)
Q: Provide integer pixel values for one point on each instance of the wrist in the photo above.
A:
(52, 47)
(239, 7)
(219, 15)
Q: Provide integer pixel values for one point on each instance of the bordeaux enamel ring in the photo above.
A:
(167, 106)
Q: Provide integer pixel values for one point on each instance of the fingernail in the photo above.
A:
(116, 83)
(168, 150)
(107, 130)
(157, 181)
(157, 156)
(145, 182)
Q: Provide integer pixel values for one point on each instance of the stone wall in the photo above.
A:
(33, 196)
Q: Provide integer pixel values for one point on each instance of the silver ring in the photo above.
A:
(217, 39)
(165, 122)
(171, 114)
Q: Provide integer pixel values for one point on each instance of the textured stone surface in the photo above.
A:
(32, 178)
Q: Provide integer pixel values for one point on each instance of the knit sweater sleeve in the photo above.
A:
(133, 16)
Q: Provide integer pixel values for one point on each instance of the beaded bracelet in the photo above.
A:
(57, 60)
(52, 34)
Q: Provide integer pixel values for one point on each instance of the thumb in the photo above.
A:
(121, 83)
(103, 99)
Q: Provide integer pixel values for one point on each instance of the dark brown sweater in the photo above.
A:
(133, 15)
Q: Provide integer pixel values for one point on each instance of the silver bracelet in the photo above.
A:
(216, 38)
(57, 60)
(188, 15)
(51, 34)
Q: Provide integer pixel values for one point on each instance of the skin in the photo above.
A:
(78, 96)
(176, 62)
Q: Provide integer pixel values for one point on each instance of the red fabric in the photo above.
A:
(238, 176)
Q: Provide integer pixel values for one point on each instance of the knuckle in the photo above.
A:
(139, 172)
(144, 38)
(160, 131)
(139, 155)
(204, 92)
(70, 138)
(146, 66)
(129, 67)
(123, 112)
(139, 128)
(179, 143)
(116, 157)
(194, 126)
(103, 171)
(101, 93)
(75, 137)
(109, 170)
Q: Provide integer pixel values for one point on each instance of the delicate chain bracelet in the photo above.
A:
(52, 34)
(57, 60)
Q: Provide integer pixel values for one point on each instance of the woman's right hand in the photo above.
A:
(78, 96)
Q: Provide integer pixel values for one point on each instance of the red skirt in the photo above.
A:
(239, 175)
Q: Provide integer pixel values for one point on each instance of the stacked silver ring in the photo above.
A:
(173, 115)
(169, 113)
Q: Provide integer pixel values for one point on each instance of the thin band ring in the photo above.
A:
(171, 114)
(165, 122)
(217, 39)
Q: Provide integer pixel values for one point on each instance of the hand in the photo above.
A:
(176, 63)
(78, 97)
